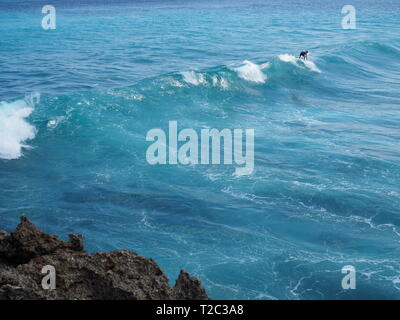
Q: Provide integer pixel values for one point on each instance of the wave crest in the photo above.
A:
(14, 128)
(251, 72)
(298, 62)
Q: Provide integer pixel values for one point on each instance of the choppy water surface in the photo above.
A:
(78, 101)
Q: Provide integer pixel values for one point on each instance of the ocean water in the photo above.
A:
(78, 101)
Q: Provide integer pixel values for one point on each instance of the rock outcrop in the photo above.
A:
(120, 274)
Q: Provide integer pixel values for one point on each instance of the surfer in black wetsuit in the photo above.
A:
(303, 55)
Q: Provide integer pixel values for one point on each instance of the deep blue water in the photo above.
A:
(78, 102)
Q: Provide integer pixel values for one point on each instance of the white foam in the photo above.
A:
(251, 72)
(194, 78)
(288, 58)
(14, 129)
(265, 65)
(175, 83)
(53, 123)
(215, 81)
(224, 83)
(299, 63)
(311, 65)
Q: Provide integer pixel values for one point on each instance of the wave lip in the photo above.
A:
(251, 72)
(14, 128)
(225, 76)
(193, 78)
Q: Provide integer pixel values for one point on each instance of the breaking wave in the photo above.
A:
(15, 129)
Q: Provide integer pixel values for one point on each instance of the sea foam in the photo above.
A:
(251, 72)
(15, 130)
(193, 78)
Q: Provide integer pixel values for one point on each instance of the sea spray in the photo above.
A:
(251, 72)
(15, 130)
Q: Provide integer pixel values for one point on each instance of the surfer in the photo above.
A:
(303, 55)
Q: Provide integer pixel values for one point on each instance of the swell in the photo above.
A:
(369, 47)
(267, 80)
(366, 58)
(359, 61)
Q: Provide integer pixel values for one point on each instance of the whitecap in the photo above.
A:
(311, 65)
(288, 58)
(219, 82)
(194, 78)
(251, 72)
(265, 65)
(224, 83)
(15, 130)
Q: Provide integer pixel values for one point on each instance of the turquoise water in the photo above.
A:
(78, 101)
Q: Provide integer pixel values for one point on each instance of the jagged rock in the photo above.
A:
(9, 292)
(27, 242)
(187, 287)
(120, 274)
(76, 241)
(3, 234)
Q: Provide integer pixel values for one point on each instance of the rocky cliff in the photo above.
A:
(120, 274)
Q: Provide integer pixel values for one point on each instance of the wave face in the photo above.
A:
(324, 192)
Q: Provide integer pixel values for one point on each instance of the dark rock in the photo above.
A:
(3, 234)
(120, 274)
(27, 242)
(189, 288)
(76, 241)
